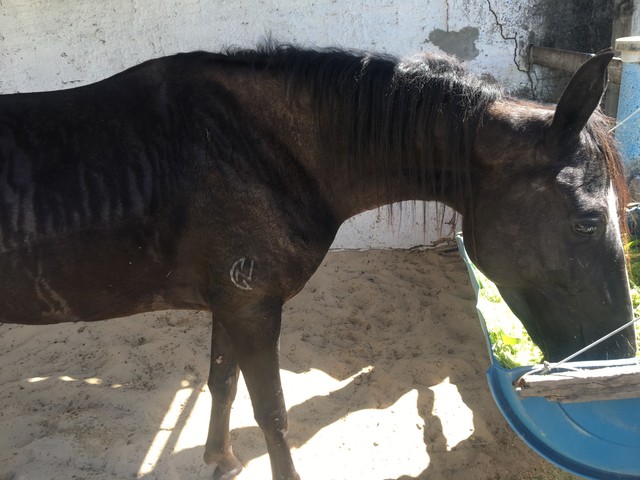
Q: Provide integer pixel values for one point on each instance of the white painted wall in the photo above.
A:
(54, 44)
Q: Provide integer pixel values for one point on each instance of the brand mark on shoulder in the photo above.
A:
(241, 273)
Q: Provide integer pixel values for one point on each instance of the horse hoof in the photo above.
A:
(218, 474)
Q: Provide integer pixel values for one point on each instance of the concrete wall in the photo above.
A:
(630, 8)
(53, 44)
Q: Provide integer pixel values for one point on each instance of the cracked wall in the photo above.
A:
(49, 45)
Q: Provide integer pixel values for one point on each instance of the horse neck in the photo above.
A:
(426, 169)
(353, 174)
(441, 162)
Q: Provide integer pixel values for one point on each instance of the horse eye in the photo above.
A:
(585, 228)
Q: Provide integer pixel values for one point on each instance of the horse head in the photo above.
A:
(544, 223)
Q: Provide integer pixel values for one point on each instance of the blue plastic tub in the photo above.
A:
(596, 439)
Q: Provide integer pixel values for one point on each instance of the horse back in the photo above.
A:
(92, 198)
(141, 192)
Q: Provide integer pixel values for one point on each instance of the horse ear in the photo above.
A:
(582, 96)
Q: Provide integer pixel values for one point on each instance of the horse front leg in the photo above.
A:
(255, 335)
(223, 383)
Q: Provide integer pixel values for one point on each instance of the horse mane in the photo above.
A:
(599, 128)
(388, 106)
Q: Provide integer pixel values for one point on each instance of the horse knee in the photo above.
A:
(272, 422)
(223, 377)
(222, 386)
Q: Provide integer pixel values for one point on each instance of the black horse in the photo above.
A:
(218, 181)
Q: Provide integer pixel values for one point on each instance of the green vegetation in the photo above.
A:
(633, 250)
(510, 342)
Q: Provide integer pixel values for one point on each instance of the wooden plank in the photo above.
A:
(583, 385)
(569, 61)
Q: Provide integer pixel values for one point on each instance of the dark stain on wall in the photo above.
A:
(582, 25)
(461, 44)
(579, 25)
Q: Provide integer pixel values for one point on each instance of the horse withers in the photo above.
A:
(218, 181)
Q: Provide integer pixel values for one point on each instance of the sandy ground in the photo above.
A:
(383, 366)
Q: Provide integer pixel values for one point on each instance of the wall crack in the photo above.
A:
(447, 15)
(516, 48)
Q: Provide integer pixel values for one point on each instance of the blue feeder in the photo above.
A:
(593, 439)
(628, 118)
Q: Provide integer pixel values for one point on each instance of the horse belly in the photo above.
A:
(87, 277)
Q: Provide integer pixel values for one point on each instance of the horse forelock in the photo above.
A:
(599, 129)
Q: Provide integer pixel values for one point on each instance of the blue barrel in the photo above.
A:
(628, 119)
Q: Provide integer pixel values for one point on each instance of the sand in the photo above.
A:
(383, 367)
